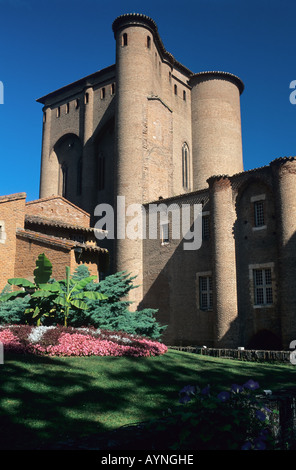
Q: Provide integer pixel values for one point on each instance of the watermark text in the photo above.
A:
(293, 94)
(1, 93)
(136, 222)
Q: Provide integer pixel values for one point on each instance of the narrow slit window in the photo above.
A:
(103, 92)
(124, 39)
(77, 104)
(148, 42)
(113, 89)
(185, 166)
(58, 111)
(164, 233)
(175, 89)
(64, 180)
(67, 108)
(205, 227)
(86, 98)
(184, 95)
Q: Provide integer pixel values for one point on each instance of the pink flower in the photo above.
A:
(72, 342)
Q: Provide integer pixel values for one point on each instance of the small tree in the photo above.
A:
(113, 313)
(39, 304)
(70, 293)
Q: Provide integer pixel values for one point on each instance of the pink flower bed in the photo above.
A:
(61, 341)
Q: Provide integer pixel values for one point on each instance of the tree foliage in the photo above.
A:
(78, 301)
(113, 313)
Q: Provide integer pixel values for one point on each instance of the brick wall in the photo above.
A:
(58, 208)
(12, 213)
(28, 251)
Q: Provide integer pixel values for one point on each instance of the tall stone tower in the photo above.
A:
(137, 178)
(216, 126)
(143, 129)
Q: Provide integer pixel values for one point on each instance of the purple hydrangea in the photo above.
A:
(206, 390)
(186, 393)
(260, 415)
(188, 389)
(223, 396)
(184, 399)
(259, 445)
(247, 446)
(235, 388)
(251, 385)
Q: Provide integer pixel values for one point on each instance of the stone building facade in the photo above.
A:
(150, 130)
(52, 226)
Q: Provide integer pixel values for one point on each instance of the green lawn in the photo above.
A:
(47, 400)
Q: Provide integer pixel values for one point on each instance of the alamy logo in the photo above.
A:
(1, 93)
(293, 94)
(157, 221)
(293, 353)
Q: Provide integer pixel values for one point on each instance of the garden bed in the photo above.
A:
(68, 341)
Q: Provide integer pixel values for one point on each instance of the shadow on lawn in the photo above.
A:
(49, 403)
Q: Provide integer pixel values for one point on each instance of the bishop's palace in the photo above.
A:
(149, 129)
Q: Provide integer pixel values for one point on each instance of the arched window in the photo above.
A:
(185, 166)
(124, 39)
(64, 180)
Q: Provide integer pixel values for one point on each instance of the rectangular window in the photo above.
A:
(259, 213)
(164, 233)
(262, 286)
(205, 227)
(205, 293)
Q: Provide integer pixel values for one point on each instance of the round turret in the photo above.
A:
(216, 126)
(134, 83)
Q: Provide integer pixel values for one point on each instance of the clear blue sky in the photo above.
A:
(46, 44)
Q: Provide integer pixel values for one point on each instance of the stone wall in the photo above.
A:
(12, 214)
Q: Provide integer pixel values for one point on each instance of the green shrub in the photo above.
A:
(233, 419)
(113, 314)
(13, 311)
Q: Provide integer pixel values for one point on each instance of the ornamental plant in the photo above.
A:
(68, 341)
(233, 419)
(46, 295)
(39, 303)
(70, 293)
(113, 313)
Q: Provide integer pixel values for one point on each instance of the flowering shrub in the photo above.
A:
(65, 341)
(234, 419)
